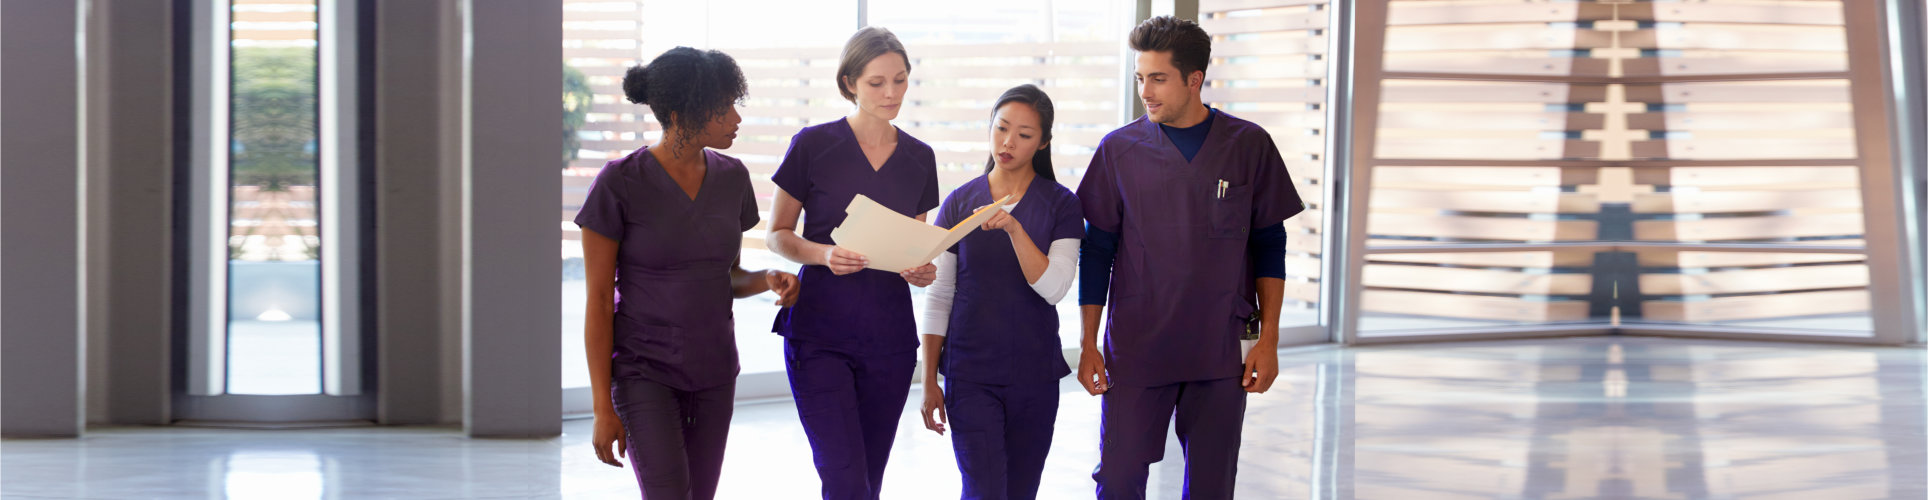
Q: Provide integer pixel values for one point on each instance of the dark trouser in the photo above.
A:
(1210, 415)
(675, 438)
(1001, 434)
(849, 405)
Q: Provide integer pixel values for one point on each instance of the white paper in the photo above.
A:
(896, 243)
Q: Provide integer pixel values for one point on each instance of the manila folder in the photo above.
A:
(896, 243)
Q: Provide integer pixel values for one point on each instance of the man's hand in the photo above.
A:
(1261, 368)
(1091, 371)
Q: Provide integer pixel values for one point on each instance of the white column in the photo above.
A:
(41, 349)
(512, 184)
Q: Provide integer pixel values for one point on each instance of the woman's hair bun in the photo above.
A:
(636, 85)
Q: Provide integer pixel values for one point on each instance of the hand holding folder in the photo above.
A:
(894, 242)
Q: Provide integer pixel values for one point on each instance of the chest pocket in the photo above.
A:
(1232, 213)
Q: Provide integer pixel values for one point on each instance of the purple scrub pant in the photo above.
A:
(674, 438)
(850, 405)
(1210, 415)
(1001, 434)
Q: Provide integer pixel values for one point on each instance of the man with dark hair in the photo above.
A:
(1189, 203)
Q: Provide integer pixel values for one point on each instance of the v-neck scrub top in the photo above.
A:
(1182, 284)
(673, 323)
(1001, 331)
(868, 311)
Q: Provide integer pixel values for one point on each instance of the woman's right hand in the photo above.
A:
(609, 434)
(842, 262)
(1002, 221)
(934, 417)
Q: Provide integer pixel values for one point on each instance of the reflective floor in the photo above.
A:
(1601, 417)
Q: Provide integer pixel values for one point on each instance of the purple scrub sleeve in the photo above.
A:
(603, 208)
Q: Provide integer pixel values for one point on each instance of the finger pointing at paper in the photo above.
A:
(1002, 221)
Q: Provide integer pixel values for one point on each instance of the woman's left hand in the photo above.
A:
(920, 276)
(934, 416)
(784, 285)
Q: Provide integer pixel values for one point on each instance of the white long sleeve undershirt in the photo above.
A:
(1052, 285)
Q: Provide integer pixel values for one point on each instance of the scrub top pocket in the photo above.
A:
(1232, 213)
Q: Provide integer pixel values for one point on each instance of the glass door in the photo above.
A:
(273, 204)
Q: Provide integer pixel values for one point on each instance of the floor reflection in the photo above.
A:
(1636, 418)
(1599, 417)
(290, 475)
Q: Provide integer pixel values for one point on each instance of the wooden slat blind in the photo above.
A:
(948, 106)
(1269, 67)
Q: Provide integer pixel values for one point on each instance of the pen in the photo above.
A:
(1221, 189)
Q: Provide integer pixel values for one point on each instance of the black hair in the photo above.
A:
(1029, 94)
(695, 85)
(1190, 46)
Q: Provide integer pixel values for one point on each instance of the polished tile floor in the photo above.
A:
(1598, 417)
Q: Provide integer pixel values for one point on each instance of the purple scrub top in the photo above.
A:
(868, 311)
(1001, 331)
(673, 324)
(1182, 283)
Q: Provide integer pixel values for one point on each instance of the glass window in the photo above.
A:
(1663, 145)
(963, 57)
(274, 238)
(600, 42)
(1269, 66)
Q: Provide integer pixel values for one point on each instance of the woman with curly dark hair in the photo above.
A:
(662, 230)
